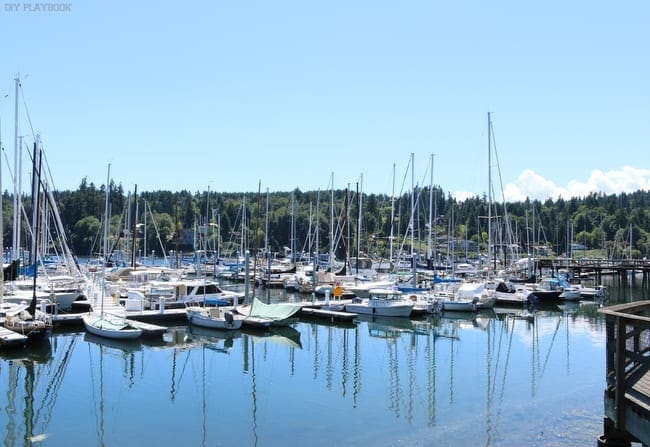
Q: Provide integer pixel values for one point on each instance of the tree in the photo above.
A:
(86, 235)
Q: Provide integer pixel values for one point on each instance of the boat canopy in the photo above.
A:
(277, 311)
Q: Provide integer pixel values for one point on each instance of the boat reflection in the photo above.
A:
(34, 376)
(281, 335)
(427, 377)
(216, 340)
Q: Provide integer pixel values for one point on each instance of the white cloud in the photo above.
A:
(532, 185)
(463, 195)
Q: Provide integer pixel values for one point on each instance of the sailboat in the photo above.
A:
(213, 317)
(103, 324)
(26, 319)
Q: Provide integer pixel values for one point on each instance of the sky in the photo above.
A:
(241, 96)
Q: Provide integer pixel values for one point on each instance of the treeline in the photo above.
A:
(183, 221)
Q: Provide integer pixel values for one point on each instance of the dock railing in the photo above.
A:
(627, 394)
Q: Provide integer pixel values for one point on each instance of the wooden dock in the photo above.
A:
(10, 338)
(153, 322)
(627, 396)
(330, 315)
(148, 329)
(152, 317)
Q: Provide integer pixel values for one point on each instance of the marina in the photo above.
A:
(495, 377)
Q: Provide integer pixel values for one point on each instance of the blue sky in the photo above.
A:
(225, 95)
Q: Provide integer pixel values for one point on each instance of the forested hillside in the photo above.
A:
(175, 219)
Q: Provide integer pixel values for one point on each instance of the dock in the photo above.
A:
(10, 338)
(627, 396)
(331, 315)
(151, 317)
(152, 322)
(148, 329)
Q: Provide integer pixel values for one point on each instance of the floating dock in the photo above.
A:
(148, 329)
(10, 338)
(331, 315)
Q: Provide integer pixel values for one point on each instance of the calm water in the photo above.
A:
(495, 379)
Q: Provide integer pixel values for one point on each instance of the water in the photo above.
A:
(495, 379)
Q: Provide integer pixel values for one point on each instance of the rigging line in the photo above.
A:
(155, 225)
(548, 353)
(29, 118)
(52, 390)
(505, 372)
(505, 208)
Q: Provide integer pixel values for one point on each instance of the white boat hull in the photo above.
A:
(213, 318)
(393, 310)
(103, 327)
(464, 306)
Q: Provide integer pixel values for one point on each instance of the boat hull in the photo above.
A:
(108, 329)
(401, 310)
(213, 318)
(459, 306)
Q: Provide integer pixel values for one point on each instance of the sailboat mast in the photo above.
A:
(106, 224)
(17, 149)
(490, 192)
(33, 257)
(331, 255)
(360, 194)
(36, 180)
(392, 216)
(430, 239)
(243, 225)
(317, 230)
(292, 243)
(135, 226)
(413, 219)
(144, 234)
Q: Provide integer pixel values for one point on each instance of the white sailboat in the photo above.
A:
(105, 324)
(213, 317)
(26, 319)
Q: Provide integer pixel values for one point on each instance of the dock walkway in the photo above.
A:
(627, 396)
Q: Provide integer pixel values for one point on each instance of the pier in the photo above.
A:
(627, 396)
(596, 267)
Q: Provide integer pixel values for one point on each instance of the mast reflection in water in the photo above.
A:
(509, 377)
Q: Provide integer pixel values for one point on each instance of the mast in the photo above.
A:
(430, 239)
(144, 235)
(17, 192)
(292, 242)
(360, 194)
(33, 256)
(331, 255)
(266, 223)
(135, 226)
(106, 224)
(392, 217)
(489, 191)
(243, 226)
(413, 265)
(317, 230)
(36, 180)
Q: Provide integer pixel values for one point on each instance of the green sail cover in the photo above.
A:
(276, 312)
